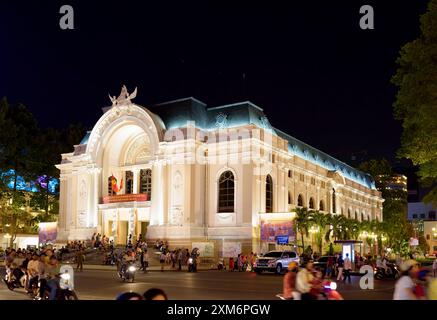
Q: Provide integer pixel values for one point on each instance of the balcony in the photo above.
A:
(140, 197)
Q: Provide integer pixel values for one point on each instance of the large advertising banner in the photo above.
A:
(47, 232)
(271, 229)
(231, 249)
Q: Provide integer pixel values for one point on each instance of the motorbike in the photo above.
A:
(192, 260)
(329, 291)
(13, 280)
(192, 264)
(127, 272)
(392, 273)
(64, 292)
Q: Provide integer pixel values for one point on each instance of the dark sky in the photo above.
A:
(315, 73)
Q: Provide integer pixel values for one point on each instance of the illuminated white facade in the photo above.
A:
(197, 174)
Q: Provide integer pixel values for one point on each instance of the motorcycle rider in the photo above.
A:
(35, 268)
(127, 259)
(52, 271)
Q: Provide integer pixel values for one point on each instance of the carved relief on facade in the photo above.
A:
(177, 197)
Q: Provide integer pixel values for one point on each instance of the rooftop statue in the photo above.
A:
(124, 97)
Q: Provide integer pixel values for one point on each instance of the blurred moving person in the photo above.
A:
(404, 288)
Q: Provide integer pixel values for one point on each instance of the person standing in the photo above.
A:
(79, 259)
(404, 288)
(347, 267)
(329, 266)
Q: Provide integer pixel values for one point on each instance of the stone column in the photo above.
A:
(136, 180)
(157, 198)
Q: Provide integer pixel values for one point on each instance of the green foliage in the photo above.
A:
(416, 100)
(31, 153)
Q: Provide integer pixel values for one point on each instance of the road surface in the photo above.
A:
(209, 285)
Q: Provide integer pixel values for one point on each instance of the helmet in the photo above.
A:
(292, 265)
(406, 265)
(422, 273)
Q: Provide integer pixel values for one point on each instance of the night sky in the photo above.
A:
(315, 73)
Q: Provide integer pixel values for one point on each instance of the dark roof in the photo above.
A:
(176, 114)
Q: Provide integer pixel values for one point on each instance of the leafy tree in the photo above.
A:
(416, 100)
(19, 128)
(319, 220)
(302, 223)
(336, 227)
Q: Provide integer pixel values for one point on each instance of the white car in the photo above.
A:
(275, 261)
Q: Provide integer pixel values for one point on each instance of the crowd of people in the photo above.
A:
(35, 270)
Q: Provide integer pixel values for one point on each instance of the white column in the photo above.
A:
(157, 205)
(136, 180)
(92, 220)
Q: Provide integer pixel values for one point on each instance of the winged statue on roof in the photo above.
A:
(124, 98)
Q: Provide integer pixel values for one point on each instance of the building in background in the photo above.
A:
(185, 172)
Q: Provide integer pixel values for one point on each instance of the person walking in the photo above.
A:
(145, 256)
(340, 268)
(347, 267)
(404, 288)
(79, 259)
(179, 259)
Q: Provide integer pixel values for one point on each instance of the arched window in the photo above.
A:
(362, 216)
(300, 201)
(333, 201)
(311, 203)
(289, 197)
(356, 215)
(269, 194)
(289, 174)
(226, 188)
(349, 213)
(129, 182)
(146, 183)
(321, 206)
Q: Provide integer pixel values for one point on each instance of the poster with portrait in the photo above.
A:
(47, 232)
(206, 249)
(270, 230)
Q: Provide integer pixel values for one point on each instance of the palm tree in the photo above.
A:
(337, 227)
(302, 223)
(319, 220)
(353, 228)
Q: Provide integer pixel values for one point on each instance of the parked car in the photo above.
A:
(321, 263)
(275, 261)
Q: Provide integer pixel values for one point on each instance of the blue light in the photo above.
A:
(30, 186)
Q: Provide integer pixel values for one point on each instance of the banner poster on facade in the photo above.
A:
(47, 232)
(231, 249)
(132, 222)
(206, 249)
(271, 229)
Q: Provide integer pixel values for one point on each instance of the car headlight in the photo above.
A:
(132, 268)
(65, 276)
